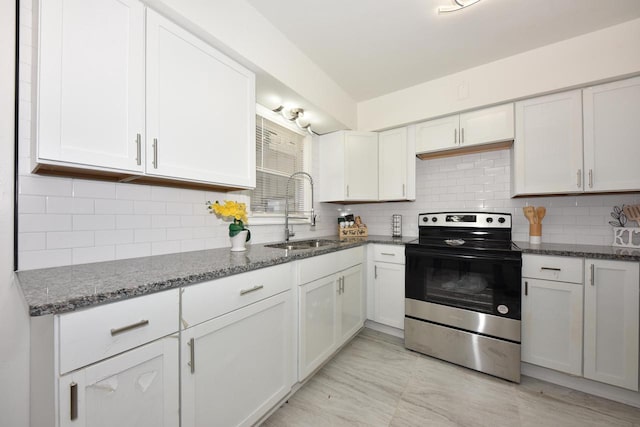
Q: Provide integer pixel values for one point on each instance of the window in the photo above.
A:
(280, 152)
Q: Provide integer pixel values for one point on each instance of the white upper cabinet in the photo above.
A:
(547, 152)
(397, 165)
(200, 109)
(90, 84)
(349, 166)
(112, 99)
(489, 125)
(612, 136)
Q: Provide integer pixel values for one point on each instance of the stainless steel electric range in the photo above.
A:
(462, 290)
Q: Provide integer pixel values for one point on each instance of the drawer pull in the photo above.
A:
(526, 288)
(127, 328)
(387, 253)
(593, 275)
(73, 388)
(550, 269)
(192, 355)
(247, 291)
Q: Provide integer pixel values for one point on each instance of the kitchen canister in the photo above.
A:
(396, 225)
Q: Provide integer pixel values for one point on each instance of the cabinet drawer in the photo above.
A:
(217, 297)
(323, 265)
(389, 253)
(561, 269)
(96, 333)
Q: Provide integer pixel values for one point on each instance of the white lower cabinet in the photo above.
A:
(611, 306)
(238, 366)
(552, 324)
(331, 311)
(138, 388)
(388, 285)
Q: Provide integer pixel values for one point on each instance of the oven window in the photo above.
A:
(476, 284)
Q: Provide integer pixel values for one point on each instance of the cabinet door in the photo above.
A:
(90, 96)
(236, 367)
(318, 323)
(611, 317)
(388, 291)
(611, 129)
(138, 388)
(200, 109)
(547, 151)
(437, 135)
(392, 169)
(487, 125)
(552, 325)
(351, 303)
(361, 165)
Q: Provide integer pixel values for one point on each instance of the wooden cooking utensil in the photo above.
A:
(632, 212)
(529, 212)
(541, 211)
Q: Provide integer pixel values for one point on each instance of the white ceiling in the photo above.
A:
(373, 47)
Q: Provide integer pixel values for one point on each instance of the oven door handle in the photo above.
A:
(458, 253)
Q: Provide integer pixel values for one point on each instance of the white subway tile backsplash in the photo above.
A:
(45, 186)
(150, 235)
(30, 260)
(94, 189)
(114, 237)
(31, 204)
(165, 194)
(133, 250)
(69, 205)
(94, 222)
(94, 254)
(179, 233)
(133, 192)
(149, 207)
(133, 221)
(192, 245)
(32, 241)
(165, 221)
(165, 247)
(174, 208)
(44, 222)
(110, 206)
(69, 239)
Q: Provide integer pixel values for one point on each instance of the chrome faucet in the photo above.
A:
(289, 233)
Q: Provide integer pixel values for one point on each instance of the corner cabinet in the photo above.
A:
(611, 306)
(331, 308)
(124, 92)
(456, 132)
(348, 166)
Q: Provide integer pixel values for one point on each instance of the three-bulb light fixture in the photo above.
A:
(295, 115)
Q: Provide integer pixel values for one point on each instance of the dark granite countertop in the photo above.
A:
(582, 251)
(65, 289)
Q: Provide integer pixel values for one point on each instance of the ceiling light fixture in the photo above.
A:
(459, 5)
(294, 115)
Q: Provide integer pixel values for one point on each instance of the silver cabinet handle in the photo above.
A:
(455, 136)
(461, 135)
(339, 285)
(248, 291)
(550, 268)
(342, 286)
(403, 190)
(127, 328)
(593, 279)
(73, 410)
(192, 355)
(375, 271)
(579, 174)
(138, 149)
(590, 178)
(526, 288)
(155, 153)
(387, 253)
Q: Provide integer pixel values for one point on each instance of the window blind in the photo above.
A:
(279, 153)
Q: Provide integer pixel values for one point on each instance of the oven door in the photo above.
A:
(482, 281)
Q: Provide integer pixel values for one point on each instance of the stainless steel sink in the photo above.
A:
(302, 244)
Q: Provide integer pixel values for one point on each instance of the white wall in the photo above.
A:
(14, 324)
(605, 54)
(481, 182)
(236, 27)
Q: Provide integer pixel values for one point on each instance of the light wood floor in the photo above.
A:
(375, 381)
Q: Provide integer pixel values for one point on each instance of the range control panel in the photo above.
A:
(465, 219)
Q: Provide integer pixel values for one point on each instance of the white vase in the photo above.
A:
(238, 241)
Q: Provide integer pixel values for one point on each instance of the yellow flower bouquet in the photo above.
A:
(234, 210)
